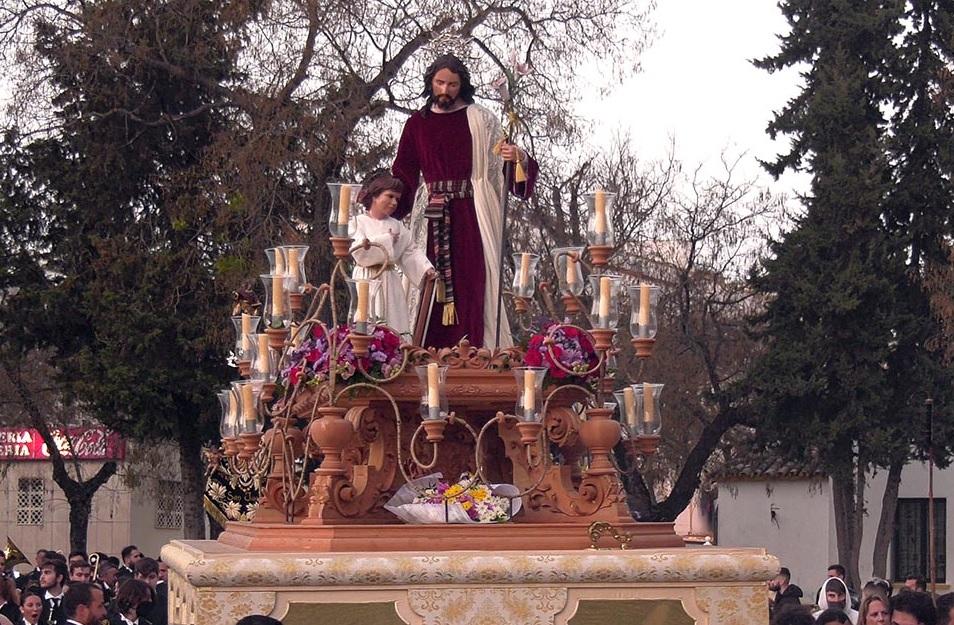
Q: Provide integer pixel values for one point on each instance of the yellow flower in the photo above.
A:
(453, 491)
(466, 505)
(481, 493)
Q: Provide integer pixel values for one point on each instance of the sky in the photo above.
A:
(698, 87)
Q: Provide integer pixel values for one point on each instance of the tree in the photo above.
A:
(831, 283)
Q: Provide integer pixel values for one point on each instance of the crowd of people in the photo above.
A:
(69, 590)
(835, 603)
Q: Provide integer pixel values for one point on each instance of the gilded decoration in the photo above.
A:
(488, 606)
(235, 568)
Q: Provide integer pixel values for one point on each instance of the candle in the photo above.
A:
(278, 292)
(246, 330)
(629, 405)
(599, 204)
(361, 313)
(262, 364)
(279, 262)
(344, 204)
(605, 287)
(248, 403)
(293, 269)
(524, 271)
(570, 269)
(433, 391)
(644, 291)
(529, 395)
(649, 409)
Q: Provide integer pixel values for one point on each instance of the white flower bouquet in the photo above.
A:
(431, 499)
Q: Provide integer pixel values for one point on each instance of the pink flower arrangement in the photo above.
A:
(310, 361)
(571, 347)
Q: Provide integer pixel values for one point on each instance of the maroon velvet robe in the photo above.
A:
(438, 146)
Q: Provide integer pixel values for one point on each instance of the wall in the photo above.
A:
(801, 537)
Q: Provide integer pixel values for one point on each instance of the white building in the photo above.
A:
(787, 508)
(34, 512)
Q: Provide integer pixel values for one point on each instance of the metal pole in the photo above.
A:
(504, 195)
(932, 546)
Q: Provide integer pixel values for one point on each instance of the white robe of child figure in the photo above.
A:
(391, 302)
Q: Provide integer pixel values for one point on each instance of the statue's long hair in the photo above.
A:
(454, 64)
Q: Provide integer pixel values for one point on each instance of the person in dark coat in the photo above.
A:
(786, 593)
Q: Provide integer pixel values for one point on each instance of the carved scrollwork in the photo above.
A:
(466, 356)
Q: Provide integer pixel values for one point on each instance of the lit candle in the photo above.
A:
(262, 364)
(524, 270)
(246, 330)
(278, 292)
(644, 310)
(293, 264)
(529, 395)
(433, 391)
(361, 313)
(606, 285)
(649, 409)
(599, 205)
(248, 403)
(629, 405)
(344, 204)
(570, 269)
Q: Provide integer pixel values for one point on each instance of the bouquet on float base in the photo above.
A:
(431, 499)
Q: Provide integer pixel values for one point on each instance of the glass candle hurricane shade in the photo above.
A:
(599, 225)
(295, 267)
(566, 264)
(525, 269)
(433, 378)
(361, 311)
(529, 392)
(244, 324)
(228, 423)
(648, 413)
(277, 304)
(605, 310)
(642, 321)
(250, 419)
(343, 208)
(265, 360)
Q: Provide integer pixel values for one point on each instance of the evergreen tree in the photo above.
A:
(830, 282)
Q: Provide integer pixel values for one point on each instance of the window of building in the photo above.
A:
(30, 501)
(169, 505)
(910, 545)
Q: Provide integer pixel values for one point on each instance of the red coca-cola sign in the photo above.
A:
(82, 443)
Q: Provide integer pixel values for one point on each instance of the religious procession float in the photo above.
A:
(396, 483)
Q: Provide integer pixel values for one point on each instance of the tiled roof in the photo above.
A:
(749, 464)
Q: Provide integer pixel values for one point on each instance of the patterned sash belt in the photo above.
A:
(437, 212)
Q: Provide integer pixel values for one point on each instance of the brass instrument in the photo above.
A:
(13, 554)
(94, 562)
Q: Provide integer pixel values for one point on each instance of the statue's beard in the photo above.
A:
(444, 102)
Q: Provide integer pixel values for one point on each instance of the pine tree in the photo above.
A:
(821, 387)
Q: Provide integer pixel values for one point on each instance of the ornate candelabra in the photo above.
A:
(344, 432)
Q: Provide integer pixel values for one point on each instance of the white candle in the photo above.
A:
(606, 285)
(649, 408)
(570, 269)
(293, 264)
(248, 403)
(524, 270)
(344, 204)
(246, 330)
(529, 392)
(361, 313)
(644, 291)
(278, 292)
(279, 262)
(629, 405)
(599, 205)
(433, 386)
(262, 364)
